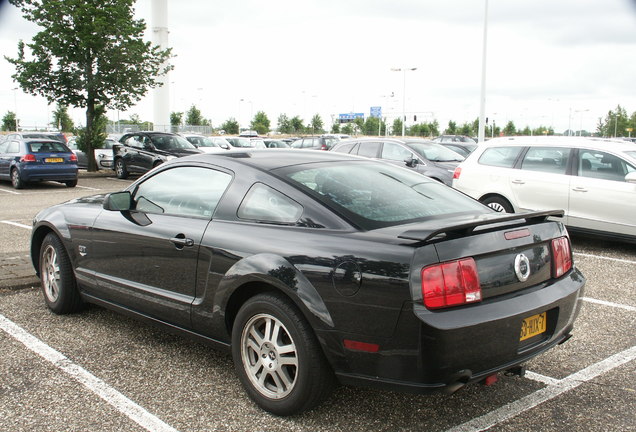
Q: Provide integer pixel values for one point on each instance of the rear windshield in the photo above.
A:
(47, 147)
(374, 195)
(500, 156)
(435, 152)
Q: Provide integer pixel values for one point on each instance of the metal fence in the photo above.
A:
(115, 128)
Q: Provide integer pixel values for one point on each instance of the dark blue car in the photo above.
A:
(32, 160)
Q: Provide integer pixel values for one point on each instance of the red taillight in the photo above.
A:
(457, 173)
(28, 158)
(450, 284)
(73, 157)
(561, 256)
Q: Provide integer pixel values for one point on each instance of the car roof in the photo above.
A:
(269, 159)
(562, 141)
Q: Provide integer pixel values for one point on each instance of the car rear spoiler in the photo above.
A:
(465, 228)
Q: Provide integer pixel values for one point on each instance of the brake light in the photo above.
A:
(457, 173)
(561, 256)
(73, 157)
(28, 158)
(451, 283)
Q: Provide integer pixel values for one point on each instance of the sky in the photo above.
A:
(562, 64)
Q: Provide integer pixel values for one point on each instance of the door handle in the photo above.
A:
(518, 182)
(579, 189)
(180, 241)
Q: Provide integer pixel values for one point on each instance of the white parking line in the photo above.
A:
(120, 402)
(605, 258)
(87, 187)
(524, 404)
(10, 191)
(606, 303)
(16, 224)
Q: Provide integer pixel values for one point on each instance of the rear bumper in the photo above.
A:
(443, 350)
(51, 172)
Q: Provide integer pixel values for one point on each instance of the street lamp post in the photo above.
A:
(403, 70)
(581, 120)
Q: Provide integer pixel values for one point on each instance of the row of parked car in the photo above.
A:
(593, 180)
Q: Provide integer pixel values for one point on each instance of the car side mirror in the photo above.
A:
(411, 161)
(118, 201)
(631, 177)
(224, 146)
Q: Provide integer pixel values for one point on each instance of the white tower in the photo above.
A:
(161, 94)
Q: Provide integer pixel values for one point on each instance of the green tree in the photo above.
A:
(510, 129)
(260, 123)
(194, 117)
(98, 132)
(335, 128)
(348, 129)
(284, 125)
(176, 118)
(9, 122)
(296, 124)
(370, 126)
(230, 126)
(61, 119)
(451, 129)
(397, 126)
(317, 124)
(615, 123)
(87, 54)
(358, 125)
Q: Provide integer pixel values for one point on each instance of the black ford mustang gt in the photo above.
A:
(316, 268)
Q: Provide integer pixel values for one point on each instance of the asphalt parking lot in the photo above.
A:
(99, 371)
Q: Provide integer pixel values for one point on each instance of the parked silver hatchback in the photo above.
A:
(593, 180)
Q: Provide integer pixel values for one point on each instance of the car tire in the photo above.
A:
(71, 183)
(57, 279)
(285, 371)
(120, 169)
(16, 181)
(498, 204)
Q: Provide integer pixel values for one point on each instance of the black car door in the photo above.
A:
(146, 259)
(146, 156)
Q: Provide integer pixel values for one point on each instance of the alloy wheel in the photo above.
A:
(51, 273)
(269, 356)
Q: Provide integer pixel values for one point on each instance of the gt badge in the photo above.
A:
(82, 250)
(522, 267)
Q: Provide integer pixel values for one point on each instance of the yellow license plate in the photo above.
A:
(49, 160)
(532, 326)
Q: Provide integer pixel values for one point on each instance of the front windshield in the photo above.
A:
(221, 142)
(207, 142)
(435, 152)
(374, 194)
(241, 142)
(171, 142)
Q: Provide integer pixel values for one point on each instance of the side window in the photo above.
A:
(134, 141)
(263, 203)
(395, 152)
(504, 157)
(546, 159)
(345, 148)
(3, 147)
(602, 165)
(369, 149)
(13, 147)
(182, 191)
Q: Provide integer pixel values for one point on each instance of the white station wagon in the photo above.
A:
(592, 180)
